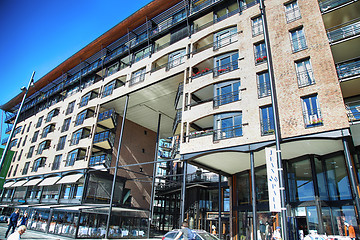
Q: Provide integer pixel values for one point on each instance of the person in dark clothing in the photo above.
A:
(24, 219)
(12, 221)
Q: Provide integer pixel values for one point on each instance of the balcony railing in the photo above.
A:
(260, 57)
(179, 93)
(225, 68)
(201, 133)
(298, 44)
(227, 98)
(4, 141)
(353, 111)
(10, 116)
(329, 4)
(228, 132)
(313, 118)
(197, 7)
(137, 79)
(100, 159)
(177, 120)
(8, 129)
(106, 115)
(203, 72)
(305, 78)
(348, 69)
(225, 41)
(104, 136)
(344, 31)
(175, 62)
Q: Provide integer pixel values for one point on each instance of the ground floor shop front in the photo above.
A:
(85, 221)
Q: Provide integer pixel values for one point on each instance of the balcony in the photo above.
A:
(178, 98)
(227, 98)
(225, 68)
(8, 129)
(102, 160)
(177, 120)
(332, 4)
(201, 133)
(228, 132)
(348, 69)
(104, 139)
(344, 31)
(10, 117)
(137, 79)
(353, 111)
(4, 141)
(107, 119)
(199, 5)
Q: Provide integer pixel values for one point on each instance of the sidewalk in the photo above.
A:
(30, 234)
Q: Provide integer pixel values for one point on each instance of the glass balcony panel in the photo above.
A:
(348, 69)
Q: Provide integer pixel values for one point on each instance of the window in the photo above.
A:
(42, 146)
(226, 63)
(14, 157)
(227, 92)
(66, 125)
(39, 122)
(311, 109)
(112, 69)
(79, 134)
(70, 108)
(26, 168)
(142, 54)
(85, 100)
(228, 125)
(267, 120)
(17, 130)
(263, 84)
(31, 151)
(178, 16)
(18, 144)
(77, 154)
(109, 88)
(19, 157)
(56, 163)
(24, 140)
(15, 170)
(298, 40)
(48, 129)
(38, 163)
(9, 173)
(34, 138)
(304, 73)
(257, 27)
(28, 129)
(61, 144)
(260, 53)
(225, 37)
(23, 130)
(292, 11)
(52, 114)
(82, 116)
(176, 58)
(13, 143)
(138, 76)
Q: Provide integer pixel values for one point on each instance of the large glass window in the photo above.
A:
(243, 188)
(257, 27)
(52, 114)
(312, 114)
(77, 154)
(85, 99)
(176, 58)
(263, 82)
(300, 180)
(48, 129)
(298, 41)
(51, 192)
(304, 73)
(112, 69)
(142, 54)
(40, 162)
(292, 11)
(224, 37)
(228, 125)
(267, 120)
(42, 146)
(227, 92)
(226, 63)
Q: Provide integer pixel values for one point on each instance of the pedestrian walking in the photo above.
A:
(12, 222)
(23, 220)
(17, 235)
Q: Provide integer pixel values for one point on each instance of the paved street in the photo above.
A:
(29, 234)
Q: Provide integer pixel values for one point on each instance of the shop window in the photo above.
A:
(51, 192)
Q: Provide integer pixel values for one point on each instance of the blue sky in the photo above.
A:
(38, 35)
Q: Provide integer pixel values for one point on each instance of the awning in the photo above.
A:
(70, 178)
(19, 183)
(49, 181)
(8, 184)
(33, 182)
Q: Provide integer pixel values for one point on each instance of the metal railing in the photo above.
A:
(177, 119)
(343, 31)
(298, 44)
(137, 79)
(305, 78)
(260, 57)
(313, 118)
(329, 4)
(197, 7)
(197, 134)
(104, 136)
(353, 110)
(225, 41)
(228, 132)
(227, 98)
(348, 69)
(225, 68)
(292, 14)
(99, 159)
(179, 93)
(106, 115)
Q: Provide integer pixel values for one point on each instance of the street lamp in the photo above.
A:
(31, 83)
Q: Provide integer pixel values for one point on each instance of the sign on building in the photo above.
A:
(273, 180)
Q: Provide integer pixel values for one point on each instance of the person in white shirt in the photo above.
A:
(17, 235)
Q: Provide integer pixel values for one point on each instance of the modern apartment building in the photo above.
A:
(197, 73)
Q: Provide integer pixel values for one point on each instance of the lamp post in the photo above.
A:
(31, 82)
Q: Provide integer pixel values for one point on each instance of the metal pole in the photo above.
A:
(183, 190)
(220, 206)
(351, 174)
(16, 121)
(153, 178)
(116, 167)
(253, 194)
(284, 229)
